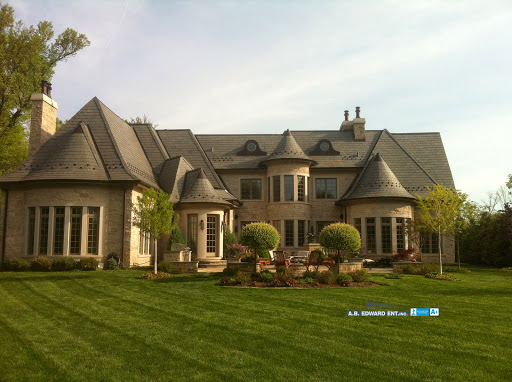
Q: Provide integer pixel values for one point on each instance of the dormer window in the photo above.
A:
(324, 147)
(251, 148)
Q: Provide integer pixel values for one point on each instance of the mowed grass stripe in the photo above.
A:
(248, 334)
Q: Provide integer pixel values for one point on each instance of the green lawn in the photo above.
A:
(87, 326)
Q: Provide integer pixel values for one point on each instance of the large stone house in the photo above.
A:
(73, 195)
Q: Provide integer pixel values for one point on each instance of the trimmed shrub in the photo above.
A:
(15, 265)
(242, 277)
(40, 264)
(343, 238)
(166, 267)
(311, 274)
(427, 268)
(87, 264)
(360, 275)
(229, 272)
(383, 262)
(64, 264)
(326, 277)
(266, 277)
(343, 276)
(110, 265)
(260, 236)
(409, 269)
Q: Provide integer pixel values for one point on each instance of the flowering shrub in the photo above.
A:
(359, 275)
(404, 255)
(236, 250)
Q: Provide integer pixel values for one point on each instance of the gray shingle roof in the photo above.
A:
(198, 189)
(184, 143)
(172, 176)
(377, 181)
(287, 149)
(106, 138)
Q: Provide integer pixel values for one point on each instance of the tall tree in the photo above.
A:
(468, 213)
(153, 213)
(28, 55)
(438, 213)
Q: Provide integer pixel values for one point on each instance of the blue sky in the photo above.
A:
(268, 66)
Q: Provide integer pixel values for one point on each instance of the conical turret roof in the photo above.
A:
(288, 149)
(377, 181)
(198, 189)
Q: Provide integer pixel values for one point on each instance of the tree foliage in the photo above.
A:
(260, 236)
(28, 55)
(439, 212)
(341, 237)
(153, 213)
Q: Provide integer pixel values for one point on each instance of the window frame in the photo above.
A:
(325, 182)
(252, 189)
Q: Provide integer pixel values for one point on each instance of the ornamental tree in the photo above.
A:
(343, 238)
(259, 236)
(439, 212)
(153, 213)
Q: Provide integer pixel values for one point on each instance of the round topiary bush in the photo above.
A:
(341, 237)
(259, 236)
(15, 265)
(64, 264)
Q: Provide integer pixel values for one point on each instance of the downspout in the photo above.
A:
(4, 229)
(346, 218)
(124, 228)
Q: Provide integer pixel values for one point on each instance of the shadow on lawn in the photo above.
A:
(190, 278)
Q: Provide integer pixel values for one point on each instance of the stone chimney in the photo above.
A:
(43, 121)
(357, 125)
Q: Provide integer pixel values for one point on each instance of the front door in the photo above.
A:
(212, 227)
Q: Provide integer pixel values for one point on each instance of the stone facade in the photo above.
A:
(42, 121)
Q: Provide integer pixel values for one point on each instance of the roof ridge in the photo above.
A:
(409, 155)
(98, 104)
(95, 152)
(158, 142)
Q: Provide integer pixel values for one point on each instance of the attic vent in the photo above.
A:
(324, 147)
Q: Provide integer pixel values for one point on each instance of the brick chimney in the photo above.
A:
(357, 125)
(43, 121)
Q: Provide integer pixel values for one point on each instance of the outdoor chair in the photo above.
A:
(314, 260)
(281, 259)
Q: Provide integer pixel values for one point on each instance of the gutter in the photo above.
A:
(4, 228)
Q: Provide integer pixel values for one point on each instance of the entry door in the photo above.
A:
(212, 224)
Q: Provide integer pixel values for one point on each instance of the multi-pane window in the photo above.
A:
(93, 228)
(288, 233)
(301, 188)
(371, 243)
(357, 225)
(211, 234)
(192, 230)
(61, 230)
(386, 235)
(58, 238)
(288, 188)
(430, 243)
(251, 189)
(31, 229)
(301, 232)
(325, 188)
(44, 225)
(76, 231)
(400, 234)
(277, 188)
(268, 189)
